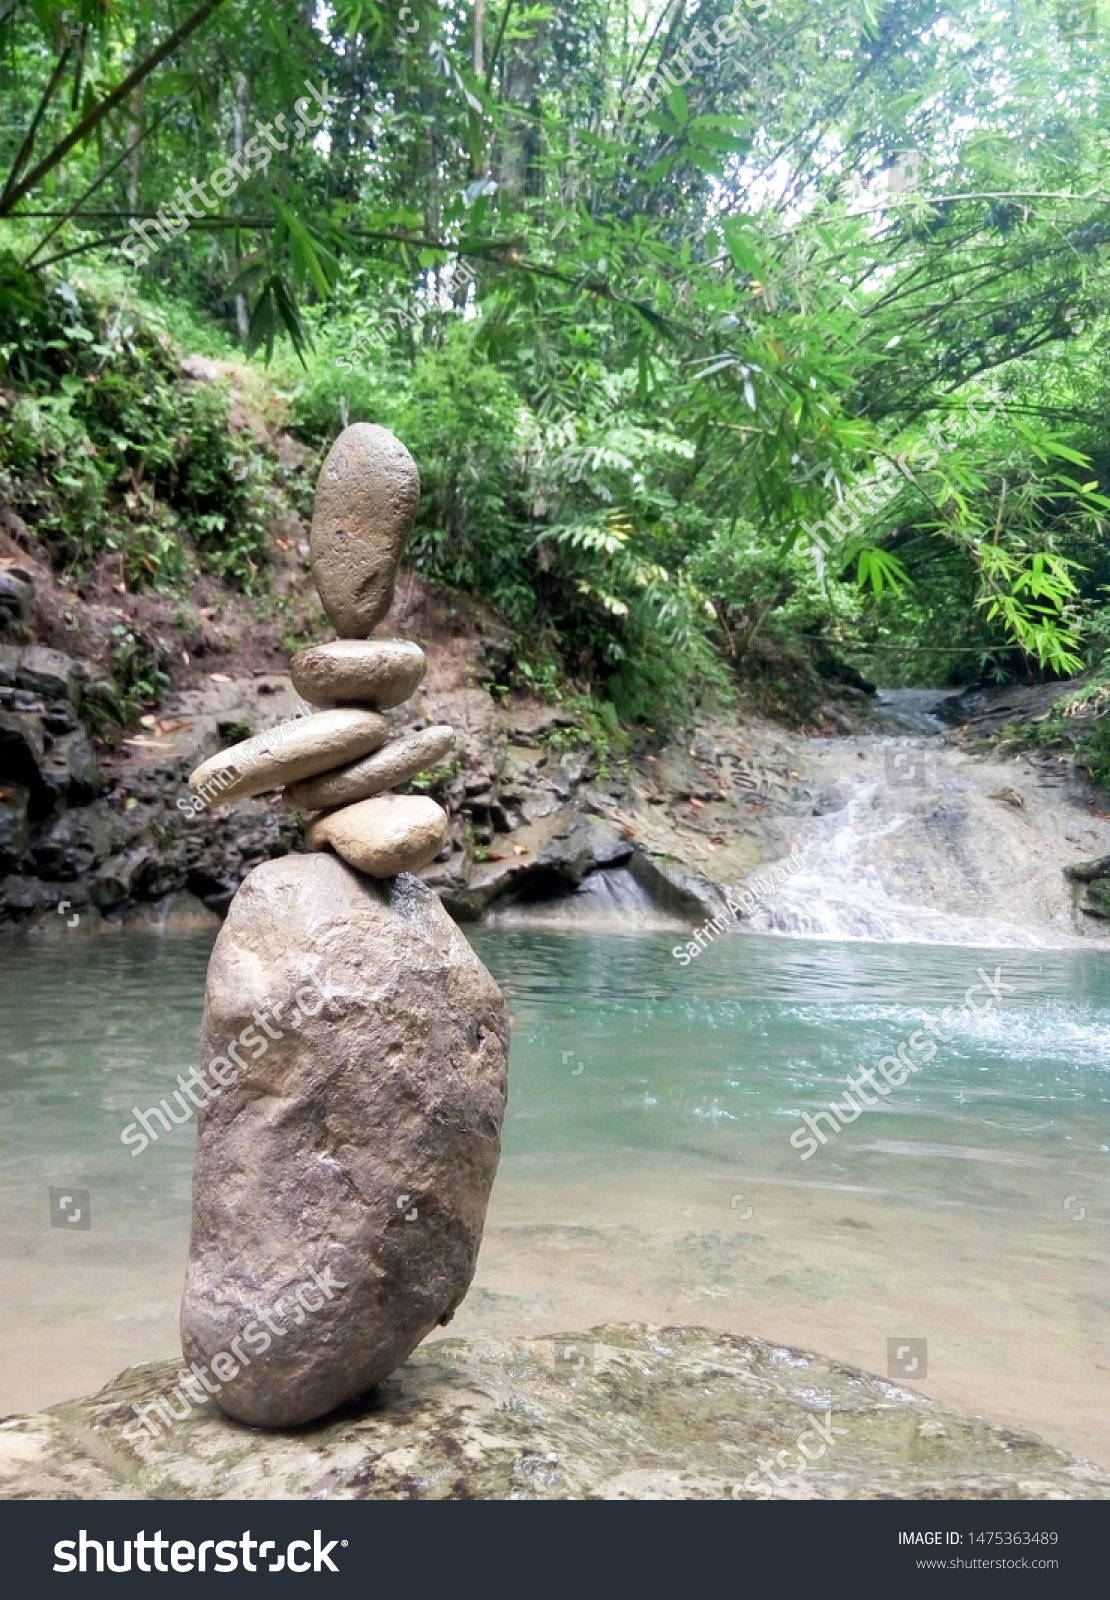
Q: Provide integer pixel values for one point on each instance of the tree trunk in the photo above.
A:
(242, 318)
(479, 41)
(135, 122)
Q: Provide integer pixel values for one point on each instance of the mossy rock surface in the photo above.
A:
(655, 1413)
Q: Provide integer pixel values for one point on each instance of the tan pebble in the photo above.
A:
(367, 495)
(328, 739)
(389, 834)
(373, 672)
(397, 762)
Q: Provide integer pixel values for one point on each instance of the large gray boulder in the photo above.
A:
(617, 1412)
(344, 1166)
(51, 674)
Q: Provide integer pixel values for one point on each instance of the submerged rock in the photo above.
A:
(367, 495)
(344, 1166)
(651, 1414)
(179, 912)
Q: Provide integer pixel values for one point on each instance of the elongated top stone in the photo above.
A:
(396, 763)
(329, 739)
(372, 672)
(366, 500)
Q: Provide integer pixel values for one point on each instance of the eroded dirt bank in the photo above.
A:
(898, 823)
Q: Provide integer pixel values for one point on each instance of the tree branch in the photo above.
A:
(95, 117)
(68, 216)
(497, 44)
(23, 154)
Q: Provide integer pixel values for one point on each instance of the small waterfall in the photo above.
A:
(830, 901)
(840, 893)
(888, 849)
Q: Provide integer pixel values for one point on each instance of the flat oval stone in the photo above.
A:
(395, 763)
(366, 500)
(372, 672)
(283, 755)
(389, 834)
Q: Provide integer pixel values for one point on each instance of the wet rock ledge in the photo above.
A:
(655, 1414)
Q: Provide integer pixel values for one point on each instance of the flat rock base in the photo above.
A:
(653, 1414)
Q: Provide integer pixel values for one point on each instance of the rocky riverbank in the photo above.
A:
(650, 1414)
(913, 817)
(908, 827)
(101, 823)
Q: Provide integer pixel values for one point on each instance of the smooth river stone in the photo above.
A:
(367, 495)
(395, 763)
(389, 834)
(286, 753)
(373, 672)
(344, 1168)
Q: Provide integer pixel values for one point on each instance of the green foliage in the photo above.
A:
(106, 450)
(138, 679)
(689, 332)
(1078, 724)
(459, 419)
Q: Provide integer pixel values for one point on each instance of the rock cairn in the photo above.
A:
(354, 1049)
(338, 764)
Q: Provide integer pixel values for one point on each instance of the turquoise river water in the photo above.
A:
(647, 1171)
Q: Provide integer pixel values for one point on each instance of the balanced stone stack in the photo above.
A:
(354, 1050)
(338, 764)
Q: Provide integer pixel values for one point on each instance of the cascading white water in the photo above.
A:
(840, 895)
(943, 832)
